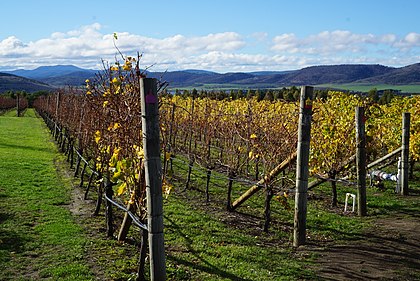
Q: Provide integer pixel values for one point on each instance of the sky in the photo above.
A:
(217, 35)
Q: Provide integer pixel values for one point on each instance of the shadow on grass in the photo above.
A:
(204, 265)
(32, 148)
(10, 241)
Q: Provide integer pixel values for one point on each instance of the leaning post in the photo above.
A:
(302, 165)
(153, 176)
(405, 164)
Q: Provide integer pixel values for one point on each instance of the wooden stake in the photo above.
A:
(17, 105)
(361, 161)
(125, 225)
(268, 178)
(153, 177)
(405, 164)
(302, 165)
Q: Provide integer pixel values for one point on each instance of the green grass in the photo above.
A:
(38, 237)
(206, 242)
(201, 247)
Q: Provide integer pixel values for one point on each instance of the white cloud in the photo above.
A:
(343, 41)
(223, 52)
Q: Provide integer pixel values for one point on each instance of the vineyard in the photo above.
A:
(7, 103)
(244, 139)
(234, 145)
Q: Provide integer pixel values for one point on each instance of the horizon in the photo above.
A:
(218, 36)
(203, 70)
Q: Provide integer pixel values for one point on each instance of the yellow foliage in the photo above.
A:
(121, 188)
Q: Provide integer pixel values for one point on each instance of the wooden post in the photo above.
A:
(99, 196)
(361, 161)
(143, 255)
(231, 176)
(384, 158)
(332, 174)
(302, 165)
(208, 184)
(17, 105)
(76, 170)
(267, 210)
(82, 175)
(171, 128)
(405, 164)
(190, 165)
(57, 106)
(108, 210)
(153, 177)
(92, 175)
(125, 225)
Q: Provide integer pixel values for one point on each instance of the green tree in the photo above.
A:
(278, 95)
(240, 94)
(373, 95)
(249, 94)
(194, 93)
(269, 96)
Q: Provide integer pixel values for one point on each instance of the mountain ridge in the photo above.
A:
(65, 75)
(11, 82)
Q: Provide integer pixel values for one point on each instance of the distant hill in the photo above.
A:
(57, 75)
(314, 75)
(337, 74)
(63, 75)
(17, 83)
(397, 76)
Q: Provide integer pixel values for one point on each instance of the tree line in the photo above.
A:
(289, 94)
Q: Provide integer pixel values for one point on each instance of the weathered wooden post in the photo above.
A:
(153, 176)
(361, 161)
(208, 184)
(108, 209)
(57, 105)
(405, 164)
(17, 105)
(302, 165)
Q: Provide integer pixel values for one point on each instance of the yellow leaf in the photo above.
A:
(253, 136)
(97, 136)
(121, 189)
(168, 156)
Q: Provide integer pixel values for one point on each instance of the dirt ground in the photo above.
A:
(388, 251)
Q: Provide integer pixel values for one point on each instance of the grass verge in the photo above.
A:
(38, 237)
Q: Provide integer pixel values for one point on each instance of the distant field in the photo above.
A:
(413, 89)
(365, 88)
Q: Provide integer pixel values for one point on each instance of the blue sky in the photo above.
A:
(223, 36)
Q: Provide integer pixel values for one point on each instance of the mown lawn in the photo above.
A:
(38, 236)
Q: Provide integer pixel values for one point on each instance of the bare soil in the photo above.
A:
(388, 251)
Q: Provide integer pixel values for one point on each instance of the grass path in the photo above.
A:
(38, 236)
